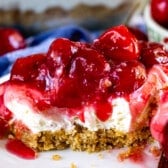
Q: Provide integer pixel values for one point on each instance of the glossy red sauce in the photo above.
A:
(19, 149)
(4, 128)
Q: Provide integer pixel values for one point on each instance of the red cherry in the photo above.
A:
(10, 40)
(20, 149)
(159, 11)
(153, 53)
(89, 63)
(118, 43)
(83, 76)
(59, 55)
(30, 69)
(127, 77)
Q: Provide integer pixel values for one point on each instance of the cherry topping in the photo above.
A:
(10, 40)
(4, 128)
(118, 43)
(86, 70)
(153, 53)
(18, 148)
(159, 11)
(5, 114)
(127, 76)
(59, 55)
(30, 70)
(103, 110)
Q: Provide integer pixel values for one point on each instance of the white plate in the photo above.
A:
(106, 159)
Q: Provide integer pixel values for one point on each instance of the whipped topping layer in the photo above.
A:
(24, 111)
(124, 111)
(119, 120)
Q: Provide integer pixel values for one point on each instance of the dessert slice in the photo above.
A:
(88, 97)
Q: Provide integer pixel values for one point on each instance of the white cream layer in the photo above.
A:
(120, 118)
(36, 121)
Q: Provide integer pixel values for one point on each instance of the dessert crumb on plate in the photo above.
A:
(73, 165)
(56, 157)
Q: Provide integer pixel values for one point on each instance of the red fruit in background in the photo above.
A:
(159, 11)
(118, 43)
(153, 53)
(10, 40)
(127, 77)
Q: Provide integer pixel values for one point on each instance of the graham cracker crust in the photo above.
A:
(82, 139)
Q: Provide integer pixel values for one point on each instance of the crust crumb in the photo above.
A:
(56, 157)
(134, 153)
(73, 165)
(156, 151)
(100, 155)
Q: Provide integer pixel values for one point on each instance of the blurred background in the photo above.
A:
(35, 16)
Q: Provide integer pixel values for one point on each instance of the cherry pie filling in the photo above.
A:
(74, 74)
